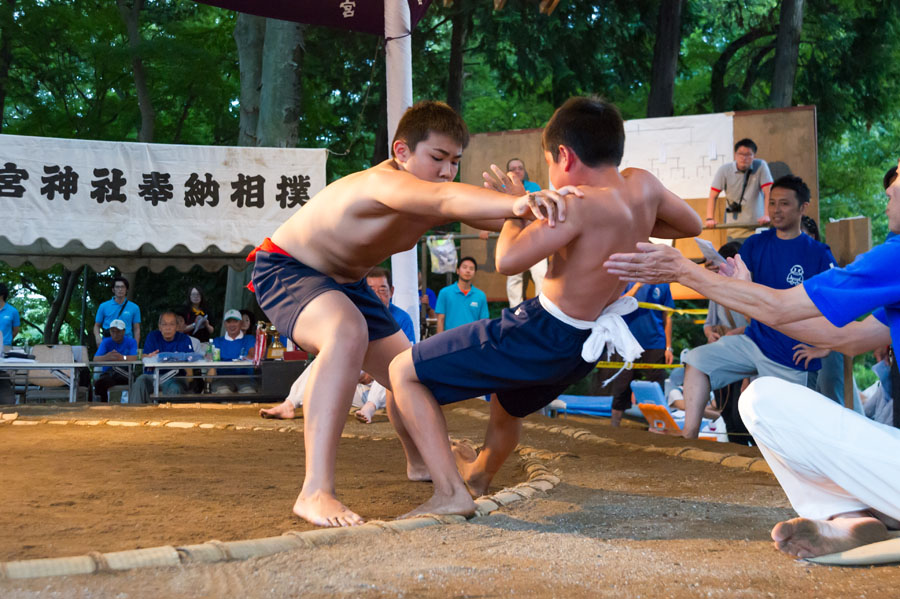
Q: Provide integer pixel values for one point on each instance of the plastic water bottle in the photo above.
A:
(124, 397)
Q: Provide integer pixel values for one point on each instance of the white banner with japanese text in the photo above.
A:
(131, 194)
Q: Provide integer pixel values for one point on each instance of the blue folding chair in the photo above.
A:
(587, 405)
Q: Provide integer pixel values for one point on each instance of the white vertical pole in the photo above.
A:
(398, 59)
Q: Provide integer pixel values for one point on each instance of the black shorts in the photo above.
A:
(284, 286)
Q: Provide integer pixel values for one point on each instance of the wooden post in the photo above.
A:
(848, 238)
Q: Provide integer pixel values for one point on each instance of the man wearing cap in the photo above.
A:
(234, 345)
(115, 348)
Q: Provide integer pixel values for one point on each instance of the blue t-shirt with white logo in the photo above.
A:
(461, 308)
(649, 326)
(110, 311)
(868, 283)
(782, 264)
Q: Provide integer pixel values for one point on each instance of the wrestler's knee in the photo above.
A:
(402, 369)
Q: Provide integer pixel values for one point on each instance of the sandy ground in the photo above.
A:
(622, 523)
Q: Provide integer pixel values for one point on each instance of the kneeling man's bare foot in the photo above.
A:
(323, 509)
(476, 479)
(459, 503)
(804, 538)
(283, 411)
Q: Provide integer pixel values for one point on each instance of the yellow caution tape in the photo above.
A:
(637, 366)
(662, 308)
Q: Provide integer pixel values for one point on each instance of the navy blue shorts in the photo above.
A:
(285, 285)
(527, 357)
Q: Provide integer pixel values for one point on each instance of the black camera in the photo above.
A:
(733, 208)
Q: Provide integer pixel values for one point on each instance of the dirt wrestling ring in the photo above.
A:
(100, 490)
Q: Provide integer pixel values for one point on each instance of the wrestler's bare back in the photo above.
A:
(610, 218)
(344, 231)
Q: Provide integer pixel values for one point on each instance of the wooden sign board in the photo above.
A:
(848, 238)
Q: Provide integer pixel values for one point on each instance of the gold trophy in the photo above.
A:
(276, 349)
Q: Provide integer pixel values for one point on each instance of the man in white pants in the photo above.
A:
(838, 469)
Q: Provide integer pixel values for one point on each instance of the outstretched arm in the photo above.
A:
(523, 244)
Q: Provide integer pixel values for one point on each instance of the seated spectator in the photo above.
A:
(379, 280)
(166, 339)
(234, 345)
(9, 318)
(197, 316)
(248, 322)
(115, 348)
(181, 326)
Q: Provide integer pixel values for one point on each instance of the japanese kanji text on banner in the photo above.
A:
(136, 193)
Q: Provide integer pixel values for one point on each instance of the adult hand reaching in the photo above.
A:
(503, 182)
(652, 263)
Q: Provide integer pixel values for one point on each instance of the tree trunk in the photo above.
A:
(665, 59)
(462, 22)
(249, 33)
(7, 26)
(59, 309)
(787, 49)
(718, 89)
(130, 15)
(279, 100)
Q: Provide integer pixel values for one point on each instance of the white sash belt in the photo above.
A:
(609, 331)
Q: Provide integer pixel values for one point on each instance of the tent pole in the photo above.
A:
(84, 279)
(398, 60)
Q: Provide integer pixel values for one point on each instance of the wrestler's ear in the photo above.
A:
(567, 158)
(401, 150)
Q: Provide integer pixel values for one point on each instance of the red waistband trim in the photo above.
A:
(266, 246)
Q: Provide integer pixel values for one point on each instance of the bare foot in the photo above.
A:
(476, 480)
(283, 411)
(323, 509)
(365, 413)
(803, 538)
(460, 503)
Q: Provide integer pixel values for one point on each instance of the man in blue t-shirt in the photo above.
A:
(9, 318)
(165, 340)
(837, 467)
(461, 303)
(115, 348)
(653, 330)
(780, 258)
(118, 308)
(234, 345)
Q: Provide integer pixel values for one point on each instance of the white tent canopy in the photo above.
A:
(156, 205)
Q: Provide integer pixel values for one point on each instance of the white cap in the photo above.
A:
(233, 315)
(117, 324)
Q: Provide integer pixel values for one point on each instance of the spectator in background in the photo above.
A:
(234, 345)
(197, 315)
(721, 321)
(653, 330)
(515, 284)
(461, 303)
(166, 339)
(181, 326)
(747, 183)
(248, 323)
(427, 297)
(115, 348)
(118, 308)
(9, 318)
(781, 257)
(380, 282)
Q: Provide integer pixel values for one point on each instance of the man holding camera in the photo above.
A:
(746, 183)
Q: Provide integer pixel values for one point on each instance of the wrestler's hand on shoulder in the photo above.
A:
(546, 204)
(506, 183)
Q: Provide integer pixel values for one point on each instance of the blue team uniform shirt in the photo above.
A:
(9, 319)
(459, 308)
(128, 347)
(405, 322)
(109, 311)
(782, 264)
(235, 349)
(155, 341)
(868, 283)
(649, 326)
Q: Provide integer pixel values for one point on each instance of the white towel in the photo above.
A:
(609, 330)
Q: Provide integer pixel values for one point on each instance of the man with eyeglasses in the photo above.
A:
(746, 183)
(118, 308)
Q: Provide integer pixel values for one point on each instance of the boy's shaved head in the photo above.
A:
(426, 117)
